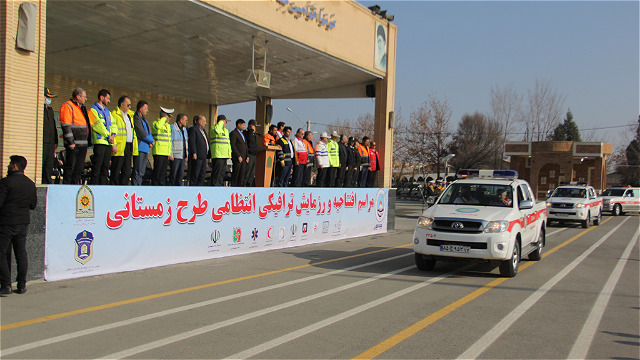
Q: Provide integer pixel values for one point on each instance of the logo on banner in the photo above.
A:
(304, 228)
(282, 232)
(215, 236)
(325, 227)
(237, 234)
(84, 247)
(380, 205)
(315, 227)
(294, 228)
(337, 226)
(254, 234)
(270, 233)
(84, 203)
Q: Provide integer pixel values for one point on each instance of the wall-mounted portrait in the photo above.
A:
(380, 56)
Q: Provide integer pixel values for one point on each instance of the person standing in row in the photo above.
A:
(126, 142)
(198, 151)
(103, 132)
(301, 158)
(17, 196)
(179, 150)
(49, 138)
(161, 131)
(145, 142)
(374, 165)
(270, 137)
(322, 160)
(75, 129)
(280, 130)
(252, 151)
(285, 158)
(239, 153)
(311, 158)
(334, 160)
(342, 155)
(353, 164)
(220, 150)
(363, 149)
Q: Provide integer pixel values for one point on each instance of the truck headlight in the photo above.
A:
(579, 206)
(548, 204)
(425, 222)
(496, 226)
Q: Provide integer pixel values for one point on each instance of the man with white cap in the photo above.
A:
(322, 160)
(161, 131)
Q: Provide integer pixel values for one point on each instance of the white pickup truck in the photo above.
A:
(488, 214)
(577, 202)
(619, 200)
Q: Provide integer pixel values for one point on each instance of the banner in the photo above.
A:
(105, 229)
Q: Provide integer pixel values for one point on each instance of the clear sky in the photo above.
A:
(458, 50)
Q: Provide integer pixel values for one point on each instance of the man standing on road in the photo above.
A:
(75, 130)
(49, 138)
(239, 152)
(198, 151)
(17, 196)
(103, 132)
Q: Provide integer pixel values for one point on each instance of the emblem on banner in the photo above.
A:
(270, 233)
(254, 234)
(325, 227)
(282, 232)
(84, 203)
(84, 247)
(237, 233)
(315, 227)
(380, 205)
(215, 236)
(294, 228)
(304, 228)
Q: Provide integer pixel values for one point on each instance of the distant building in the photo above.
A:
(545, 164)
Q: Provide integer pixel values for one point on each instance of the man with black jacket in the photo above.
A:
(49, 138)
(353, 163)
(198, 151)
(239, 153)
(252, 147)
(17, 197)
(343, 154)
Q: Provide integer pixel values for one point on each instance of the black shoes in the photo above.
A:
(20, 290)
(5, 290)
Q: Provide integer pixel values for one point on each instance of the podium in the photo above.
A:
(265, 161)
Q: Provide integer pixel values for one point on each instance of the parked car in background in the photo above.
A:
(620, 200)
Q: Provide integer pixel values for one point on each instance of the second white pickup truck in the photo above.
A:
(490, 215)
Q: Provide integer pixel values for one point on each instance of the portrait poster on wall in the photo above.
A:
(380, 55)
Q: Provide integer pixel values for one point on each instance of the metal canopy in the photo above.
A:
(187, 50)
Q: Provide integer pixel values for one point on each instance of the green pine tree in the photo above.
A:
(567, 131)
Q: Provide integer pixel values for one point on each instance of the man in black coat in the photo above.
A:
(252, 150)
(343, 153)
(198, 151)
(17, 197)
(239, 153)
(49, 138)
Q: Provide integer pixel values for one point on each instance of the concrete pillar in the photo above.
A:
(21, 90)
(213, 115)
(385, 100)
(262, 126)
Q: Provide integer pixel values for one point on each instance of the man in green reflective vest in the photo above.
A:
(334, 159)
(161, 131)
(220, 150)
(126, 142)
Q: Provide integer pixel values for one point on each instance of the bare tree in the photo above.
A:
(362, 126)
(401, 145)
(475, 142)
(506, 108)
(543, 112)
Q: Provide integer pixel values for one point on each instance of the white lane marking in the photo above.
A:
(205, 329)
(319, 325)
(117, 324)
(557, 231)
(492, 335)
(583, 342)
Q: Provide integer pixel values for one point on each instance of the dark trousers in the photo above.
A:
(74, 164)
(238, 171)
(330, 181)
(176, 172)
(371, 178)
(16, 236)
(298, 175)
(218, 168)
(197, 171)
(283, 174)
(306, 177)
(340, 178)
(121, 167)
(159, 175)
(352, 175)
(139, 168)
(362, 178)
(322, 176)
(48, 156)
(100, 164)
(250, 172)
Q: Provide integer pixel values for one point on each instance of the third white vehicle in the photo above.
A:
(619, 200)
(576, 202)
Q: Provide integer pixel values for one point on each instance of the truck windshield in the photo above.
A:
(478, 194)
(613, 192)
(570, 192)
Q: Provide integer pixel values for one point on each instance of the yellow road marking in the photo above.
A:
(401, 336)
(180, 291)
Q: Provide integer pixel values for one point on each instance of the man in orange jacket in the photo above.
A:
(75, 130)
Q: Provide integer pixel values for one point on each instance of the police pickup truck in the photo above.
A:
(576, 202)
(619, 200)
(489, 215)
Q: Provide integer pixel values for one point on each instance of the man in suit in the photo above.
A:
(252, 148)
(198, 151)
(49, 138)
(239, 153)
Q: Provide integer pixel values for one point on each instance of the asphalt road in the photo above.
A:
(357, 298)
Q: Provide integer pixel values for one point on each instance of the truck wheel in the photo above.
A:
(585, 222)
(617, 210)
(509, 268)
(536, 255)
(596, 222)
(424, 264)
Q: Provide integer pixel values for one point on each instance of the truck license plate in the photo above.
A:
(455, 248)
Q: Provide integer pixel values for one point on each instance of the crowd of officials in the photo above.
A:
(123, 139)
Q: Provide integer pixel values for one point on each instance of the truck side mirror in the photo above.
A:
(526, 204)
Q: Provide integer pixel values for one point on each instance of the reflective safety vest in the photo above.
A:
(161, 131)
(311, 154)
(334, 155)
(121, 134)
(220, 145)
(101, 125)
(373, 156)
(301, 151)
(268, 139)
(364, 155)
(74, 125)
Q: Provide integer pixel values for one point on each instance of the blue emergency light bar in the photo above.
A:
(578, 183)
(488, 174)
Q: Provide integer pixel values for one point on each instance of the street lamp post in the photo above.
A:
(446, 165)
(296, 115)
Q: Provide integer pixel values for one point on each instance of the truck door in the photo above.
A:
(529, 231)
